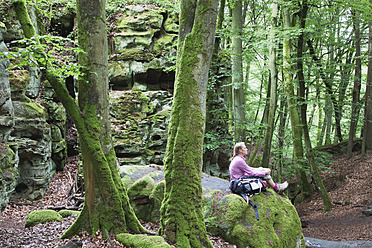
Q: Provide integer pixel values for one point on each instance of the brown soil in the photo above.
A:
(348, 187)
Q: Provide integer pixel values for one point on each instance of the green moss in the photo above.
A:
(170, 24)
(133, 54)
(41, 216)
(2, 27)
(19, 79)
(142, 241)
(8, 157)
(34, 109)
(66, 213)
(147, 17)
(279, 224)
(141, 187)
(166, 41)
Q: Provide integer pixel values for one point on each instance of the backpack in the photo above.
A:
(248, 186)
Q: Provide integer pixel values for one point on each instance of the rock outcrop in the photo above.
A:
(143, 48)
(142, 42)
(8, 151)
(140, 125)
(30, 120)
(226, 214)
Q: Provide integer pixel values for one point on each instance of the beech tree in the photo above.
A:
(273, 88)
(182, 220)
(106, 201)
(298, 153)
(238, 89)
(357, 85)
(327, 205)
(367, 141)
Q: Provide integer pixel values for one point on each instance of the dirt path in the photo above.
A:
(350, 191)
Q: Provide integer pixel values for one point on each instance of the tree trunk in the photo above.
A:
(327, 124)
(356, 89)
(367, 134)
(327, 81)
(237, 73)
(283, 112)
(273, 89)
(327, 205)
(298, 154)
(182, 220)
(106, 202)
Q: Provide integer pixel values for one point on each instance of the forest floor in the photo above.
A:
(348, 187)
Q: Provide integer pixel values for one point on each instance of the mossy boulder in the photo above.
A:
(142, 241)
(226, 214)
(67, 213)
(41, 216)
(231, 217)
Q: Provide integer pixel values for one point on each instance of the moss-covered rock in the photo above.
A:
(8, 172)
(142, 241)
(226, 214)
(67, 213)
(279, 224)
(140, 121)
(41, 216)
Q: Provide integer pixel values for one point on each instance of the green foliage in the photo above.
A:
(323, 160)
(214, 140)
(60, 52)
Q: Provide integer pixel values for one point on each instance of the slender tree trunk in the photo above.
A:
(327, 81)
(273, 89)
(327, 124)
(216, 89)
(356, 89)
(237, 73)
(298, 154)
(367, 134)
(327, 205)
(106, 203)
(319, 136)
(281, 133)
(220, 19)
(182, 219)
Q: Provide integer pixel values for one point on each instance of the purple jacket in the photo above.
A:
(238, 169)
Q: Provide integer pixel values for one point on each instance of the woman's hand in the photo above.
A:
(268, 171)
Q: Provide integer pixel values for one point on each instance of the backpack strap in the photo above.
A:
(248, 199)
(255, 208)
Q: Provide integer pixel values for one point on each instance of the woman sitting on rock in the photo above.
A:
(239, 169)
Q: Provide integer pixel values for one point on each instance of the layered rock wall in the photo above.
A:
(37, 127)
(8, 151)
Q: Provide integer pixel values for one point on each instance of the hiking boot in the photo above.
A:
(281, 187)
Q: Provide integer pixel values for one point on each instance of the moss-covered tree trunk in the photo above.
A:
(106, 201)
(298, 153)
(182, 220)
